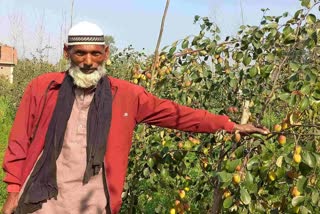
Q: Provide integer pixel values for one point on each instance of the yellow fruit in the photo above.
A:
(148, 75)
(182, 193)
(163, 143)
(220, 60)
(135, 81)
(282, 139)
(226, 194)
(108, 62)
(187, 189)
(236, 178)
(313, 179)
(284, 126)
(187, 84)
(237, 137)
(295, 192)
(238, 167)
(206, 151)
(272, 176)
(162, 72)
(277, 128)
(297, 158)
(298, 149)
(173, 211)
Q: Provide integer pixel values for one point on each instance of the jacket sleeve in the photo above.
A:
(165, 113)
(19, 141)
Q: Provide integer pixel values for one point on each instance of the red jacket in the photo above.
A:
(131, 105)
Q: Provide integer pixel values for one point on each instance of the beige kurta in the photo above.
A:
(73, 196)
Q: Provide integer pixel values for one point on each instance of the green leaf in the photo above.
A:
(304, 210)
(305, 89)
(293, 100)
(146, 172)
(246, 60)
(270, 57)
(253, 72)
(296, 201)
(196, 18)
(306, 3)
(294, 66)
(317, 157)
(150, 162)
(315, 197)
(178, 155)
(249, 184)
(245, 196)
(239, 56)
(172, 50)
(232, 164)
(185, 43)
(224, 176)
(316, 94)
(284, 96)
(308, 159)
(301, 183)
(304, 104)
(279, 161)
(228, 202)
(311, 19)
(252, 162)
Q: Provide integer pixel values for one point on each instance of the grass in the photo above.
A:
(6, 120)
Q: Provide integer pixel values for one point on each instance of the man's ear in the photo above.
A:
(66, 51)
(107, 52)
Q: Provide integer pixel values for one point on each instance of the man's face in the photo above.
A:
(87, 57)
(86, 63)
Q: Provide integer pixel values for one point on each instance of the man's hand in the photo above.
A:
(250, 129)
(11, 203)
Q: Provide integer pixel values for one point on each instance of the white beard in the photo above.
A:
(83, 80)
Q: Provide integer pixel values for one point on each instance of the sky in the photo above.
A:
(32, 24)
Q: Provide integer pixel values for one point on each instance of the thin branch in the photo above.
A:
(156, 52)
(71, 13)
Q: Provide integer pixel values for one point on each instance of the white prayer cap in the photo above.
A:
(85, 33)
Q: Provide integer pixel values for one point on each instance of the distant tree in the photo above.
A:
(109, 40)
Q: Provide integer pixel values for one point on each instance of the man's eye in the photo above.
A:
(79, 53)
(96, 54)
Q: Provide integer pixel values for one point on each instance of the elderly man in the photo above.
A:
(69, 144)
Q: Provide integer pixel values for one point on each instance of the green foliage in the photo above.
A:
(6, 119)
(274, 67)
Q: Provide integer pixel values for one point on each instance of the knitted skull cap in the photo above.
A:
(85, 33)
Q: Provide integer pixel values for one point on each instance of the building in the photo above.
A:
(8, 59)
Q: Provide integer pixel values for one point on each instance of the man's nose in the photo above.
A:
(88, 60)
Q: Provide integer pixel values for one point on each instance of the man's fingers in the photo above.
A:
(263, 131)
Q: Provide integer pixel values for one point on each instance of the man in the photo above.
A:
(69, 144)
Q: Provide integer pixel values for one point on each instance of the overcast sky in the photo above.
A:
(135, 22)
